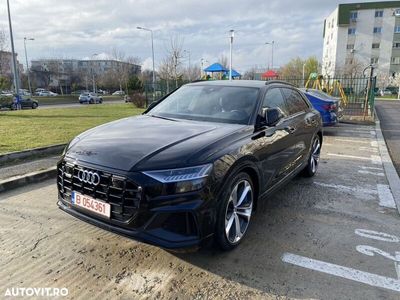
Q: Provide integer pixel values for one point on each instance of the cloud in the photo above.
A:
(78, 29)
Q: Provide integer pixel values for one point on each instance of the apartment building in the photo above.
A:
(6, 64)
(359, 34)
(62, 72)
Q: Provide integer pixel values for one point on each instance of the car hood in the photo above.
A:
(145, 142)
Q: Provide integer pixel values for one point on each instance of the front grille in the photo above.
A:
(122, 194)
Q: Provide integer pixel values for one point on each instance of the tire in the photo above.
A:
(34, 105)
(313, 159)
(235, 216)
(91, 101)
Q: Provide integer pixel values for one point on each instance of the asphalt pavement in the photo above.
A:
(334, 236)
(389, 116)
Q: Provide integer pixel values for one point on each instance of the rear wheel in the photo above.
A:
(34, 105)
(235, 211)
(313, 160)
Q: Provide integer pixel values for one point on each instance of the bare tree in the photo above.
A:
(352, 68)
(166, 70)
(223, 60)
(250, 74)
(382, 80)
(3, 47)
(175, 53)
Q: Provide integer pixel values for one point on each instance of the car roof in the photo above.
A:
(239, 83)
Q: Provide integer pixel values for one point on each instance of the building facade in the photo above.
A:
(359, 34)
(63, 73)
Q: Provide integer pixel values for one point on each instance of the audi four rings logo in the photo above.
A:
(89, 177)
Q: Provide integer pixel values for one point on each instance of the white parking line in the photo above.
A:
(344, 188)
(349, 156)
(352, 141)
(374, 144)
(371, 173)
(372, 168)
(370, 149)
(385, 196)
(344, 272)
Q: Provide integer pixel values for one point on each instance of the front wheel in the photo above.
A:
(235, 211)
(313, 159)
(34, 105)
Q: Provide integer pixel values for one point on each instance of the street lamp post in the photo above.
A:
(230, 52)
(272, 52)
(27, 65)
(16, 83)
(93, 81)
(152, 52)
(189, 69)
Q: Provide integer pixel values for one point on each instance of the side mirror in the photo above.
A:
(270, 116)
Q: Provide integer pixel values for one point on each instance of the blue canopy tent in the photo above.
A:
(234, 73)
(215, 68)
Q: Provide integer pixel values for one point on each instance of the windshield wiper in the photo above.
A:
(160, 117)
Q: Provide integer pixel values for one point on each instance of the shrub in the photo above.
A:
(138, 100)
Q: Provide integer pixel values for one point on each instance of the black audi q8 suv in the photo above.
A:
(194, 165)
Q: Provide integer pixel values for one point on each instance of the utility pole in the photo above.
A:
(14, 59)
(27, 65)
(230, 53)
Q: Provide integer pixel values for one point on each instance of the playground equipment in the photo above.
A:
(329, 86)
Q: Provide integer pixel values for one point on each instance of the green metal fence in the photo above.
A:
(161, 88)
(357, 94)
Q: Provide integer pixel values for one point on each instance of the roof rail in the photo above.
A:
(279, 81)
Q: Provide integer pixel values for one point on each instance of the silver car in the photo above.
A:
(90, 98)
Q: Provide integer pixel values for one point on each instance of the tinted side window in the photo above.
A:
(274, 99)
(294, 101)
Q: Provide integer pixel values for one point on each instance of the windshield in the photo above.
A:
(223, 104)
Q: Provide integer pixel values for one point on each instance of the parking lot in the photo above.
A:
(335, 236)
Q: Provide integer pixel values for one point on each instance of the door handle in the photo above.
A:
(290, 129)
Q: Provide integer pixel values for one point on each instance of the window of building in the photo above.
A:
(377, 29)
(374, 60)
(350, 46)
(397, 12)
(396, 29)
(351, 31)
(353, 15)
(376, 45)
(378, 13)
(395, 60)
(396, 45)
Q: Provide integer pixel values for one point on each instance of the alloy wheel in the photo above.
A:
(315, 153)
(238, 211)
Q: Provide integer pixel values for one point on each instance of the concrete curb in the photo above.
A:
(391, 174)
(54, 149)
(34, 177)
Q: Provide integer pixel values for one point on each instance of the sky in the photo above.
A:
(79, 29)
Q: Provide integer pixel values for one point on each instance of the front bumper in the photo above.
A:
(169, 221)
(156, 236)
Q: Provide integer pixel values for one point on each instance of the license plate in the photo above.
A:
(91, 204)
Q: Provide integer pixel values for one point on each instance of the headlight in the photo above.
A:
(184, 179)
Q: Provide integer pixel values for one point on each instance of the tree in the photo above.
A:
(5, 83)
(175, 53)
(135, 84)
(294, 68)
(352, 68)
(165, 70)
(250, 74)
(382, 81)
(223, 60)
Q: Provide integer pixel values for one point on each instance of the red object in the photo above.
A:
(270, 74)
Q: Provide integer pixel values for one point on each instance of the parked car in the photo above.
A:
(118, 93)
(327, 105)
(26, 102)
(45, 93)
(385, 92)
(90, 98)
(194, 165)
